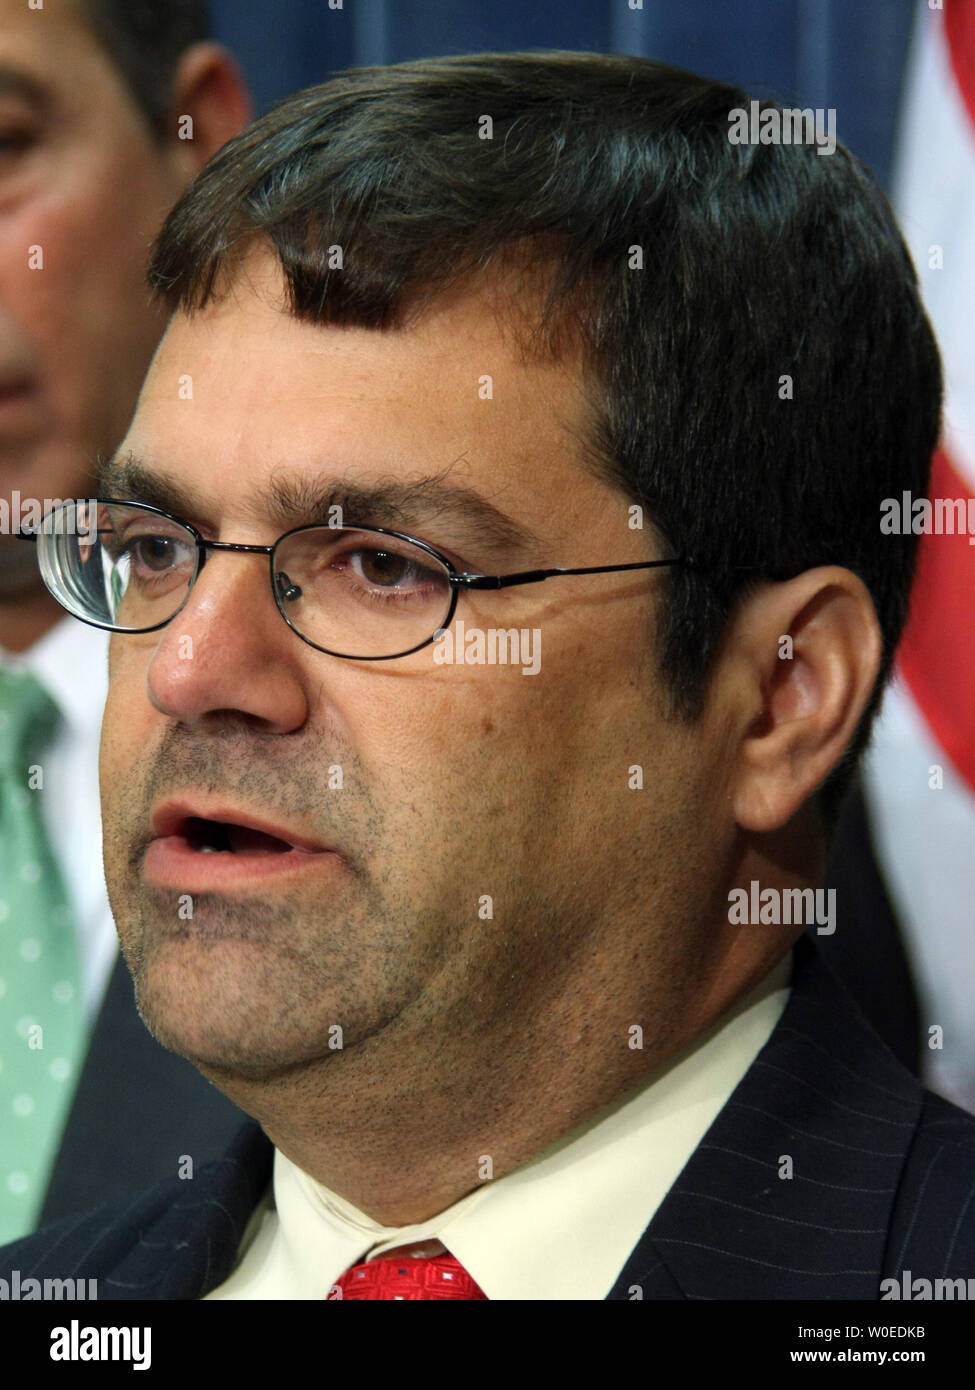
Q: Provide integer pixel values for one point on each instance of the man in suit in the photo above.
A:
(107, 108)
(501, 944)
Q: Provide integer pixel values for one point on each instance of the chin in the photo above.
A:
(221, 1017)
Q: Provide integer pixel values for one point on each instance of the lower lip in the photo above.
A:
(172, 862)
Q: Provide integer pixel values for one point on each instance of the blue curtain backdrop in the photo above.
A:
(848, 54)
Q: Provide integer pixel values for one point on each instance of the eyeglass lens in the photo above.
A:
(351, 592)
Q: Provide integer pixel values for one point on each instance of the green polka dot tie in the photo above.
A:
(42, 1022)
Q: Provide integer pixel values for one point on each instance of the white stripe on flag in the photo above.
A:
(925, 838)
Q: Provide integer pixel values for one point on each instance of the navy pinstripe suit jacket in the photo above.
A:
(883, 1181)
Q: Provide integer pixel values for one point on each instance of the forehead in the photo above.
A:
(249, 389)
(45, 55)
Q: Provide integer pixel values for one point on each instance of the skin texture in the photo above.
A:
(462, 1036)
(82, 178)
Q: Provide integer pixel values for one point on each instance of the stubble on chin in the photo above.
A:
(255, 988)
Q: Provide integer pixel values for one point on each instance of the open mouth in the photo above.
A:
(194, 853)
(224, 837)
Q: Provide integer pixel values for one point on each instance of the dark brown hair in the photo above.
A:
(145, 39)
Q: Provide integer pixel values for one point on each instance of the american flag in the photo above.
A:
(920, 776)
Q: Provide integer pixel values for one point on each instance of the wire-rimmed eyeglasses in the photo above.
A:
(364, 593)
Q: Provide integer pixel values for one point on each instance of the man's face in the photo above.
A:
(82, 191)
(464, 787)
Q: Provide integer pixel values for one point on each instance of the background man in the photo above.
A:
(107, 108)
(484, 990)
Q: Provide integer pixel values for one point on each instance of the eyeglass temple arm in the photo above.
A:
(502, 581)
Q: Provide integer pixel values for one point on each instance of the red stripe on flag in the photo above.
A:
(937, 653)
(960, 33)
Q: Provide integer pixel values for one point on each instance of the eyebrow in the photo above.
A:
(297, 499)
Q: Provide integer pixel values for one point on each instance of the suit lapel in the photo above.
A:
(202, 1228)
(825, 1100)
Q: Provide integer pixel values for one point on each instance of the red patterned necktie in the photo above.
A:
(408, 1273)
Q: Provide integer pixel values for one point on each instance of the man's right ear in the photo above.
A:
(804, 658)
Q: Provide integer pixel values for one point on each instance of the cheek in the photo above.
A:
(128, 715)
(86, 310)
(472, 736)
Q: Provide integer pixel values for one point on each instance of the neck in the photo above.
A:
(406, 1137)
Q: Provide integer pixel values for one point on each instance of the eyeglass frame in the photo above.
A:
(457, 579)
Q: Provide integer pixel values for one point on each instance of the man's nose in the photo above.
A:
(229, 651)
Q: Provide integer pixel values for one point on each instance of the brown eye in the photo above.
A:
(14, 141)
(154, 553)
(380, 567)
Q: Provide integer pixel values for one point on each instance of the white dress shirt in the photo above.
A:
(560, 1226)
(71, 662)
